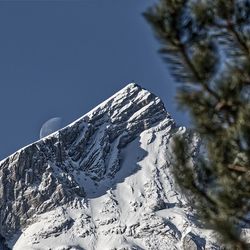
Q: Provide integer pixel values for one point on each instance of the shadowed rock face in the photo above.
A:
(3, 245)
(31, 182)
(101, 181)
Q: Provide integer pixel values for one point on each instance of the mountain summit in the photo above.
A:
(102, 182)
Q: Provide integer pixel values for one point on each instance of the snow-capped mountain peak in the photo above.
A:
(102, 182)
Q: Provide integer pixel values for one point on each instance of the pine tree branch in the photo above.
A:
(238, 168)
(231, 28)
(192, 46)
(195, 72)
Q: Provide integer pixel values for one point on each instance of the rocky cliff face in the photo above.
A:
(103, 182)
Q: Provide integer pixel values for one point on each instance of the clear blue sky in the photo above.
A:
(62, 58)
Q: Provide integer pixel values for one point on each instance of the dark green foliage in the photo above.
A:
(206, 44)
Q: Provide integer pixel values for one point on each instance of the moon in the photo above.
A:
(50, 126)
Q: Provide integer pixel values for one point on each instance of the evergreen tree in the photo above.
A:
(206, 44)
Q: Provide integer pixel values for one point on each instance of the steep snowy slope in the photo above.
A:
(103, 182)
